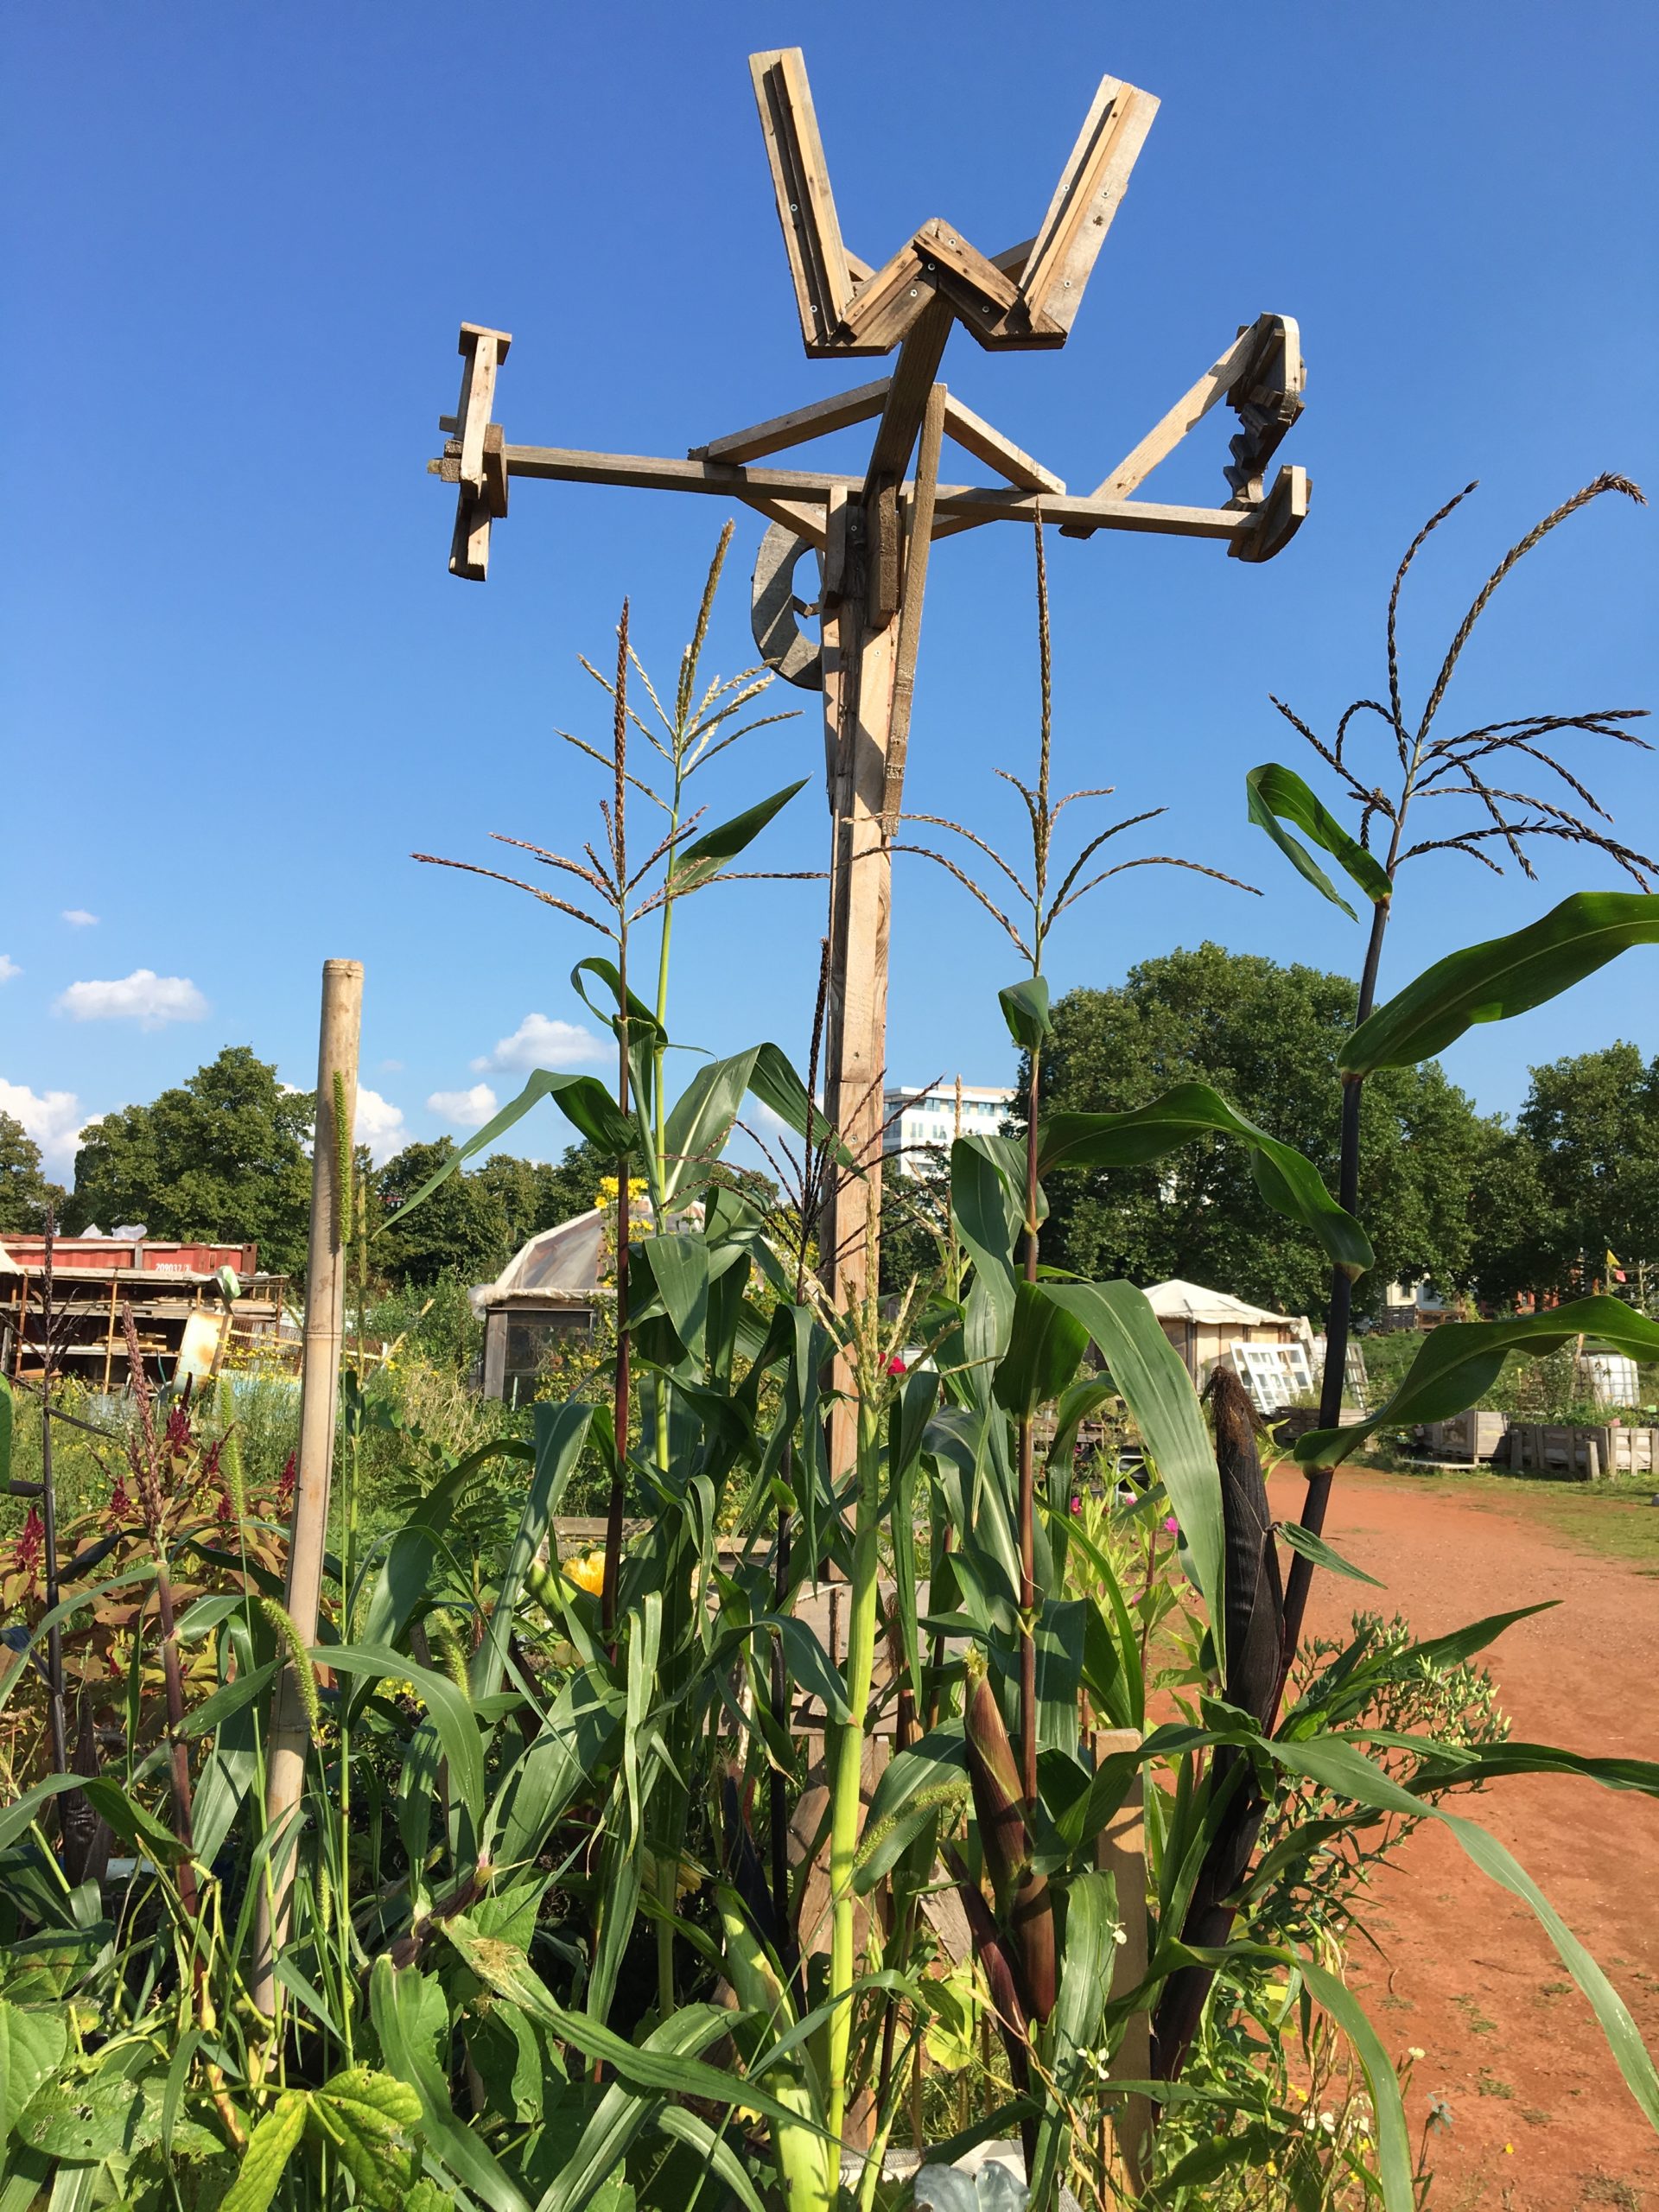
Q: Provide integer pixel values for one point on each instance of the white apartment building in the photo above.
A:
(920, 1125)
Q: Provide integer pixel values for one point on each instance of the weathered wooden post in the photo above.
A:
(325, 1316)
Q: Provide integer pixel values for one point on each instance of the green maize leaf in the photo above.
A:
(1459, 1362)
(1496, 1759)
(560, 1432)
(509, 1975)
(270, 2146)
(1393, 2141)
(915, 1785)
(1085, 1978)
(1285, 1178)
(1272, 793)
(367, 2117)
(1149, 1375)
(1312, 1546)
(17, 1818)
(401, 1581)
(718, 2156)
(1045, 1344)
(693, 865)
(583, 1099)
(450, 1713)
(643, 1025)
(1024, 1008)
(622, 2111)
(32, 2044)
(679, 1267)
(131, 1822)
(397, 2005)
(1502, 977)
(1340, 1765)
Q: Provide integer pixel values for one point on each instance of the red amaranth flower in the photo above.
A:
(285, 1486)
(121, 1508)
(178, 1428)
(896, 1366)
(31, 1541)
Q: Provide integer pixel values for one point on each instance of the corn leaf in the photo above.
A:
(1459, 1362)
(1285, 1178)
(1274, 793)
(1502, 977)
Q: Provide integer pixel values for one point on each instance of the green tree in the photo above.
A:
(222, 1157)
(464, 1225)
(25, 1191)
(1267, 1038)
(1592, 1121)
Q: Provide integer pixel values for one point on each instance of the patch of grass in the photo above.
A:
(1477, 2022)
(1556, 1989)
(1609, 2188)
(1536, 2115)
(1488, 2085)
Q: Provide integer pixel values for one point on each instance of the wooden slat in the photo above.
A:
(1186, 415)
(1270, 526)
(885, 307)
(795, 428)
(806, 522)
(906, 400)
(919, 536)
(806, 206)
(1092, 186)
(482, 350)
(975, 436)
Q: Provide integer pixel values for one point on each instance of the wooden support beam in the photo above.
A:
(975, 436)
(1087, 197)
(918, 536)
(1186, 415)
(793, 429)
(806, 206)
(1270, 526)
(887, 304)
(480, 473)
(895, 439)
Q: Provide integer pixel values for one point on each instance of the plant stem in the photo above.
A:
(1028, 1484)
(1342, 1291)
(50, 1511)
(846, 1796)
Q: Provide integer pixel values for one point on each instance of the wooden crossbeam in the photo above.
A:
(815, 421)
(1186, 415)
(975, 436)
(480, 470)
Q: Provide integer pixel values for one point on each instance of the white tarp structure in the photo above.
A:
(1271, 1353)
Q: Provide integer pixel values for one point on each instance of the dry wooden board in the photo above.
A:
(796, 427)
(1090, 192)
(975, 436)
(806, 206)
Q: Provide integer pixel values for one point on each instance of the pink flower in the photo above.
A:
(896, 1366)
(31, 1541)
(1077, 1505)
(1171, 1526)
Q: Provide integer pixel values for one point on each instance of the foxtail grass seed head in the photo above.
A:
(451, 1650)
(305, 1674)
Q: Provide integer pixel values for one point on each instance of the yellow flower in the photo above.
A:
(588, 1572)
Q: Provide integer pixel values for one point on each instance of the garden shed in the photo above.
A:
(1208, 1325)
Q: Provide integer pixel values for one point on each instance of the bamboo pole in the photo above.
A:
(324, 1315)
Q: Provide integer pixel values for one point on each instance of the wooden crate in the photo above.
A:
(1629, 1451)
(1478, 1435)
(1569, 1453)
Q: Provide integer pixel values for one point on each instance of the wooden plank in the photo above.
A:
(1087, 197)
(806, 522)
(1121, 1852)
(1186, 415)
(795, 428)
(975, 436)
(1270, 526)
(919, 536)
(884, 309)
(901, 420)
(806, 206)
(482, 350)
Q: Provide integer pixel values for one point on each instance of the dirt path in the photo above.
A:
(1541, 2121)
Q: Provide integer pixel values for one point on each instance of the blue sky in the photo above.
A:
(240, 686)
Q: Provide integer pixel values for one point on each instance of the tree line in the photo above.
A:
(1472, 1203)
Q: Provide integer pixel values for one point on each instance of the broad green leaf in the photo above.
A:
(84, 2122)
(451, 1714)
(1459, 1362)
(1495, 1759)
(678, 1266)
(32, 2044)
(397, 2003)
(21, 1670)
(1148, 1373)
(1285, 1178)
(569, 1754)
(694, 865)
(1024, 1008)
(131, 1822)
(1502, 977)
(1045, 1344)
(367, 2116)
(915, 1786)
(270, 2146)
(19, 1816)
(583, 1099)
(717, 2154)
(401, 1581)
(1273, 793)
(643, 1025)
(1314, 1547)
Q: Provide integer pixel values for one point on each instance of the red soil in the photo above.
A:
(1541, 2118)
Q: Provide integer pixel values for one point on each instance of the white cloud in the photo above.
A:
(78, 919)
(467, 1109)
(53, 1118)
(9, 967)
(151, 1000)
(380, 1125)
(539, 1042)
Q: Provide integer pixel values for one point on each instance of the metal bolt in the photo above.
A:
(793, 209)
(1065, 285)
(913, 291)
(930, 265)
